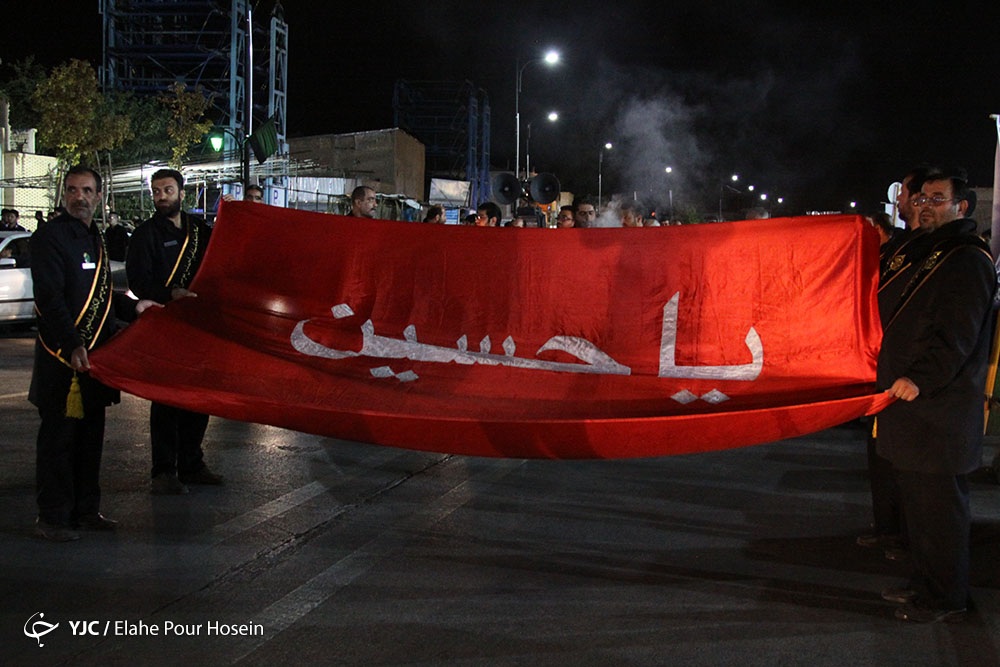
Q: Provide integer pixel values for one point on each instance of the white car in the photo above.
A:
(17, 298)
(17, 302)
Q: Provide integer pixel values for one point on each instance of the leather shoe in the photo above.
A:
(96, 522)
(918, 613)
(167, 484)
(54, 533)
(900, 595)
(202, 476)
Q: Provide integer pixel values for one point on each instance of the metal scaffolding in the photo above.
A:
(150, 44)
(452, 120)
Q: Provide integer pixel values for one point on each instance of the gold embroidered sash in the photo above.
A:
(185, 267)
(92, 317)
(941, 251)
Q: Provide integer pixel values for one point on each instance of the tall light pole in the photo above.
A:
(553, 117)
(670, 191)
(723, 187)
(550, 58)
(600, 167)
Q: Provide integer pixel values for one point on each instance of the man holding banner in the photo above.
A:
(163, 258)
(934, 358)
(71, 274)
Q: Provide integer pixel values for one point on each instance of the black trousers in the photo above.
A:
(886, 510)
(68, 464)
(175, 437)
(936, 507)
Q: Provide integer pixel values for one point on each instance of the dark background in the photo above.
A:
(819, 103)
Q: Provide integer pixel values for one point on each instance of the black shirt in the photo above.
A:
(153, 251)
(66, 256)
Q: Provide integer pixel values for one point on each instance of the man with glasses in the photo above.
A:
(888, 526)
(933, 359)
(566, 217)
(488, 215)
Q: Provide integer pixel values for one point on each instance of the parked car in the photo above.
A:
(17, 300)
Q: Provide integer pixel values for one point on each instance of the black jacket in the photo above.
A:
(937, 334)
(153, 251)
(65, 256)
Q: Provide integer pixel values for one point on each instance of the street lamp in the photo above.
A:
(600, 167)
(550, 58)
(670, 192)
(723, 186)
(553, 117)
(217, 140)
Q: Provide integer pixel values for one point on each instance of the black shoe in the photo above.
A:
(54, 533)
(202, 476)
(96, 522)
(880, 540)
(167, 484)
(900, 595)
(918, 613)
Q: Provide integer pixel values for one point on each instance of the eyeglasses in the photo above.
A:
(481, 216)
(936, 200)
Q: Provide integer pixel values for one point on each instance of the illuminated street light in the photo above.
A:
(763, 196)
(217, 140)
(750, 188)
(553, 117)
(723, 186)
(670, 192)
(854, 204)
(550, 58)
(600, 167)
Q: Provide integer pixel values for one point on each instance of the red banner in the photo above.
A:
(560, 343)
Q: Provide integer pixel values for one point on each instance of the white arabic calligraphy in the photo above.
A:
(374, 345)
(38, 634)
(594, 359)
(668, 346)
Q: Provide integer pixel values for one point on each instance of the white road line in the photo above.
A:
(267, 511)
(282, 613)
(293, 499)
(20, 394)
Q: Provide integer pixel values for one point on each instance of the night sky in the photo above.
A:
(820, 103)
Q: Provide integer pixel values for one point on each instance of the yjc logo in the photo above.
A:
(39, 628)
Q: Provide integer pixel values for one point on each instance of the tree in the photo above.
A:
(19, 83)
(187, 125)
(149, 119)
(74, 118)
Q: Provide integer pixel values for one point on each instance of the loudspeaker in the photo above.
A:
(506, 188)
(544, 188)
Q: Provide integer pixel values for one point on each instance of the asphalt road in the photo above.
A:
(320, 551)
